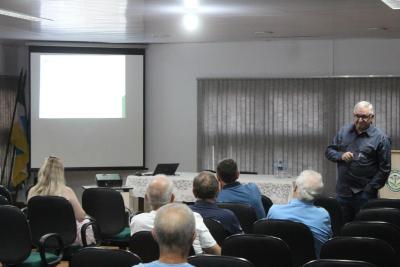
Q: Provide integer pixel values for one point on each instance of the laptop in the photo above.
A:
(165, 168)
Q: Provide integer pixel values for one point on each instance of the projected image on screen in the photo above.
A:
(82, 86)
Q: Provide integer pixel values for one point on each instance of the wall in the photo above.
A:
(172, 70)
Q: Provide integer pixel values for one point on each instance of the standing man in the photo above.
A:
(362, 154)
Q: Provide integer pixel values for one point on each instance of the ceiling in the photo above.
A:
(160, 21)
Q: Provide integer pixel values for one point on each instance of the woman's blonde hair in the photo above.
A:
(51, 179)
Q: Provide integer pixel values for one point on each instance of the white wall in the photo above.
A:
(172, 70)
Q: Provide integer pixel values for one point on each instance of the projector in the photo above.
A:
(108, 180)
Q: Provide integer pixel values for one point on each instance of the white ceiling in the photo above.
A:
(160, 21)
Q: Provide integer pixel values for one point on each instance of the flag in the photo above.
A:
(19, 138)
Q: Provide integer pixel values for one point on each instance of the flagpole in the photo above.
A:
(12, 122)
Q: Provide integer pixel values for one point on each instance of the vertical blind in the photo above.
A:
(286, 122)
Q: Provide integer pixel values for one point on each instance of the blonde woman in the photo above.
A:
(51, 182)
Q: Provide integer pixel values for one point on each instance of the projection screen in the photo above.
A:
(87, 106)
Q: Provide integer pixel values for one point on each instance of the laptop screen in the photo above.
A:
(166, 168)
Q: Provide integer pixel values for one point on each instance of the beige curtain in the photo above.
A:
(270, 124)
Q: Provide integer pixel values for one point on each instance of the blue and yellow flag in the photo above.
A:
(19, 139)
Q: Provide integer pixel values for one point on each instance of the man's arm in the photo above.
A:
(384, 166)
(216, 250)
(332, 151)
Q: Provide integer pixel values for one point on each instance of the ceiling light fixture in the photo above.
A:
(18, 15)
(393, 4)
(191, 4)
(190, 22)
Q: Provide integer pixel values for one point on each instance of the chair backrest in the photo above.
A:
(244, 212)
(217, 230)
(367, 249)
(145, 246)
(382, 203)
(102, 257)
(381, 230)
(218, 261)
(107, 207)
(4, 201)
(15, 241)
(51, 214)
(332, 206)
(296, 235)
(266, 202)
(390, 215)
(338, 263)
(261, 250)
(6, 193)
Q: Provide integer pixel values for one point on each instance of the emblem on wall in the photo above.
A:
(393, 182)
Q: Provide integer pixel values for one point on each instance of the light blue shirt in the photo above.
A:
(160, 264)
(316, 218)
(243, 193)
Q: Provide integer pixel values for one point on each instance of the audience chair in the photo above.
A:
(7, 194)
(367, 249)
(217, 230)
(103, 257)
(338, 263)
(106, 206)
(53, 214)
(244, 212)
(261, 250)
(16, 243)
(382, 203)
(332, 206)
(218, 261)
(145, 246)
(381, 230)
(296, 235)
(390, 215)
(4, 201)
(266, 202)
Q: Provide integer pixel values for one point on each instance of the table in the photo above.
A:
(279, 190)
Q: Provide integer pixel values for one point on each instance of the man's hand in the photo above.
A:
(347, 156)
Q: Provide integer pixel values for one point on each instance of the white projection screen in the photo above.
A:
(87, 106)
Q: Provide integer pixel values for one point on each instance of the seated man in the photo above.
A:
(301, 208)
(174, 230)
(233, 191)
(205, 189)
(159, 193)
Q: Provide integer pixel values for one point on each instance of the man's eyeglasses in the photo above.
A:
(363, 116)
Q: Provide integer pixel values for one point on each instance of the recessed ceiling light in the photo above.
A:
(393, 4)
(191, 4)
(190, 22)
(19, 15)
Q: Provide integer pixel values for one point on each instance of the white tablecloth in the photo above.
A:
(279, 190)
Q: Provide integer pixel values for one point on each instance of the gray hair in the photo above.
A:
(174, 227)
(159, 191)
(364, 104)
(205, 186)
(309, 185)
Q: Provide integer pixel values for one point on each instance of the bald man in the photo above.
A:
(174, 229)
(159, 193)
